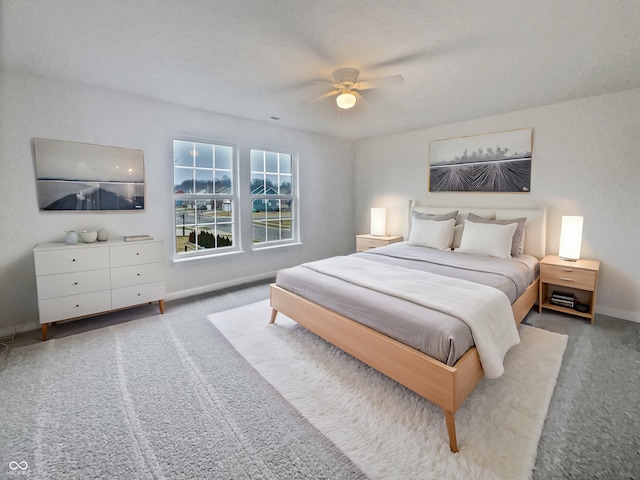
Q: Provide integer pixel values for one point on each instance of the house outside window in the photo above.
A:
(204, 197)
(273, 197)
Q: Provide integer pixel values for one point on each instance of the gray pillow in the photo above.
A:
(429, 216)
(517, 243)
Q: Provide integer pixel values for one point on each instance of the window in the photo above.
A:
(272, 197)
(204, 196)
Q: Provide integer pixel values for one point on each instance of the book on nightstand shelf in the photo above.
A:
(563, 299)
(137, 238)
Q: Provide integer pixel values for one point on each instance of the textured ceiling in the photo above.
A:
(257, 59)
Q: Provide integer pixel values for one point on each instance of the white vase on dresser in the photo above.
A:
(77, 281)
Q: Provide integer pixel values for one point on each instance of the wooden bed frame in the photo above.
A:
(446, 386)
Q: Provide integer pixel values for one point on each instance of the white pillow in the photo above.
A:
(487, 239)
(431, 233)
(457, 236)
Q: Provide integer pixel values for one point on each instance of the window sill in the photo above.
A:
(205, 257)
(267, 248)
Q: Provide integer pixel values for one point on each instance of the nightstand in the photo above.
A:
(579, 278)
(367, 242)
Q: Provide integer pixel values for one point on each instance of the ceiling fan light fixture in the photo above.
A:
(346, 100)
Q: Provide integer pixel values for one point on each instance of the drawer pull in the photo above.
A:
(567, 269)
(73, 259)
(77, 306)
(138, 274)
(566, 279)
(137, 253)
(75, 283)
(139, 294)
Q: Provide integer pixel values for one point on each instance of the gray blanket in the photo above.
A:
(437, 334)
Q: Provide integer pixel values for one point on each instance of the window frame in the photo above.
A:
(197, 198)
(293, 197)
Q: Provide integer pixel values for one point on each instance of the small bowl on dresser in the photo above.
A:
(88, 236)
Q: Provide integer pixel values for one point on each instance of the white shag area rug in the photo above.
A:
(387, 430)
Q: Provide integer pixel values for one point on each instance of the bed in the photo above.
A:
(347, 300)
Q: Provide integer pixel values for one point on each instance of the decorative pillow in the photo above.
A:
(487, 239)
(431, 216)
(431, 233)
(457, 231)
(517, 243)
(457, 236)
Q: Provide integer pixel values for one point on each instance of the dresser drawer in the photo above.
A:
(65, 284)
(568, 277)
(135, 295)
(137, 275)
(66, 260)
(136, 253)
(61, 308)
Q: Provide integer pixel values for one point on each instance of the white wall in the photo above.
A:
(586, 161)
(34, 106)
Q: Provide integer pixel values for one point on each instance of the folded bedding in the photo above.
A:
(433, 331)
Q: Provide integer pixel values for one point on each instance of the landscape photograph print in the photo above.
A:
(494, 162)
(82, 176)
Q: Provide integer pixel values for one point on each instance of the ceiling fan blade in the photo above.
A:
(379, 82)
(322, 97)
(323, 80)
(361, 100)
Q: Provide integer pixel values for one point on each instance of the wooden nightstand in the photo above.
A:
(579, 278)
(367, 242)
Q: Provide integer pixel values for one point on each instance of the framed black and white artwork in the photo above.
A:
(494, 162)
(83, 176)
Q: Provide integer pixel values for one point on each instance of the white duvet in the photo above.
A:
(484, 309)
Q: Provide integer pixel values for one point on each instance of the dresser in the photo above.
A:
(75, 281)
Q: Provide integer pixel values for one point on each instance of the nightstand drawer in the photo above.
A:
(568, 277)
(367, 243)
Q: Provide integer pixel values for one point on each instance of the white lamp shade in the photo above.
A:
(346, 100)
(571, 237)
(379, 221)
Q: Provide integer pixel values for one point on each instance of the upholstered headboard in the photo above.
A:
(535, 227)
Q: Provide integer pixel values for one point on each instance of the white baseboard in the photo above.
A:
(219, 286)
(617, 313)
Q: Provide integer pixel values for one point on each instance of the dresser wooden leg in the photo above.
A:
(44, 331)
(161, 303)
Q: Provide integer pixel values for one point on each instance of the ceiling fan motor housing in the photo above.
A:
(346, 75)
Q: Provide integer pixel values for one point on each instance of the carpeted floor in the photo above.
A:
(161, 397)
(592, 430)
(387, 430)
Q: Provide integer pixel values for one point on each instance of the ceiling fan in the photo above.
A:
(347, 87)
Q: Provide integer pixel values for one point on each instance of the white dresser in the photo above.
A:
(76, 281)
